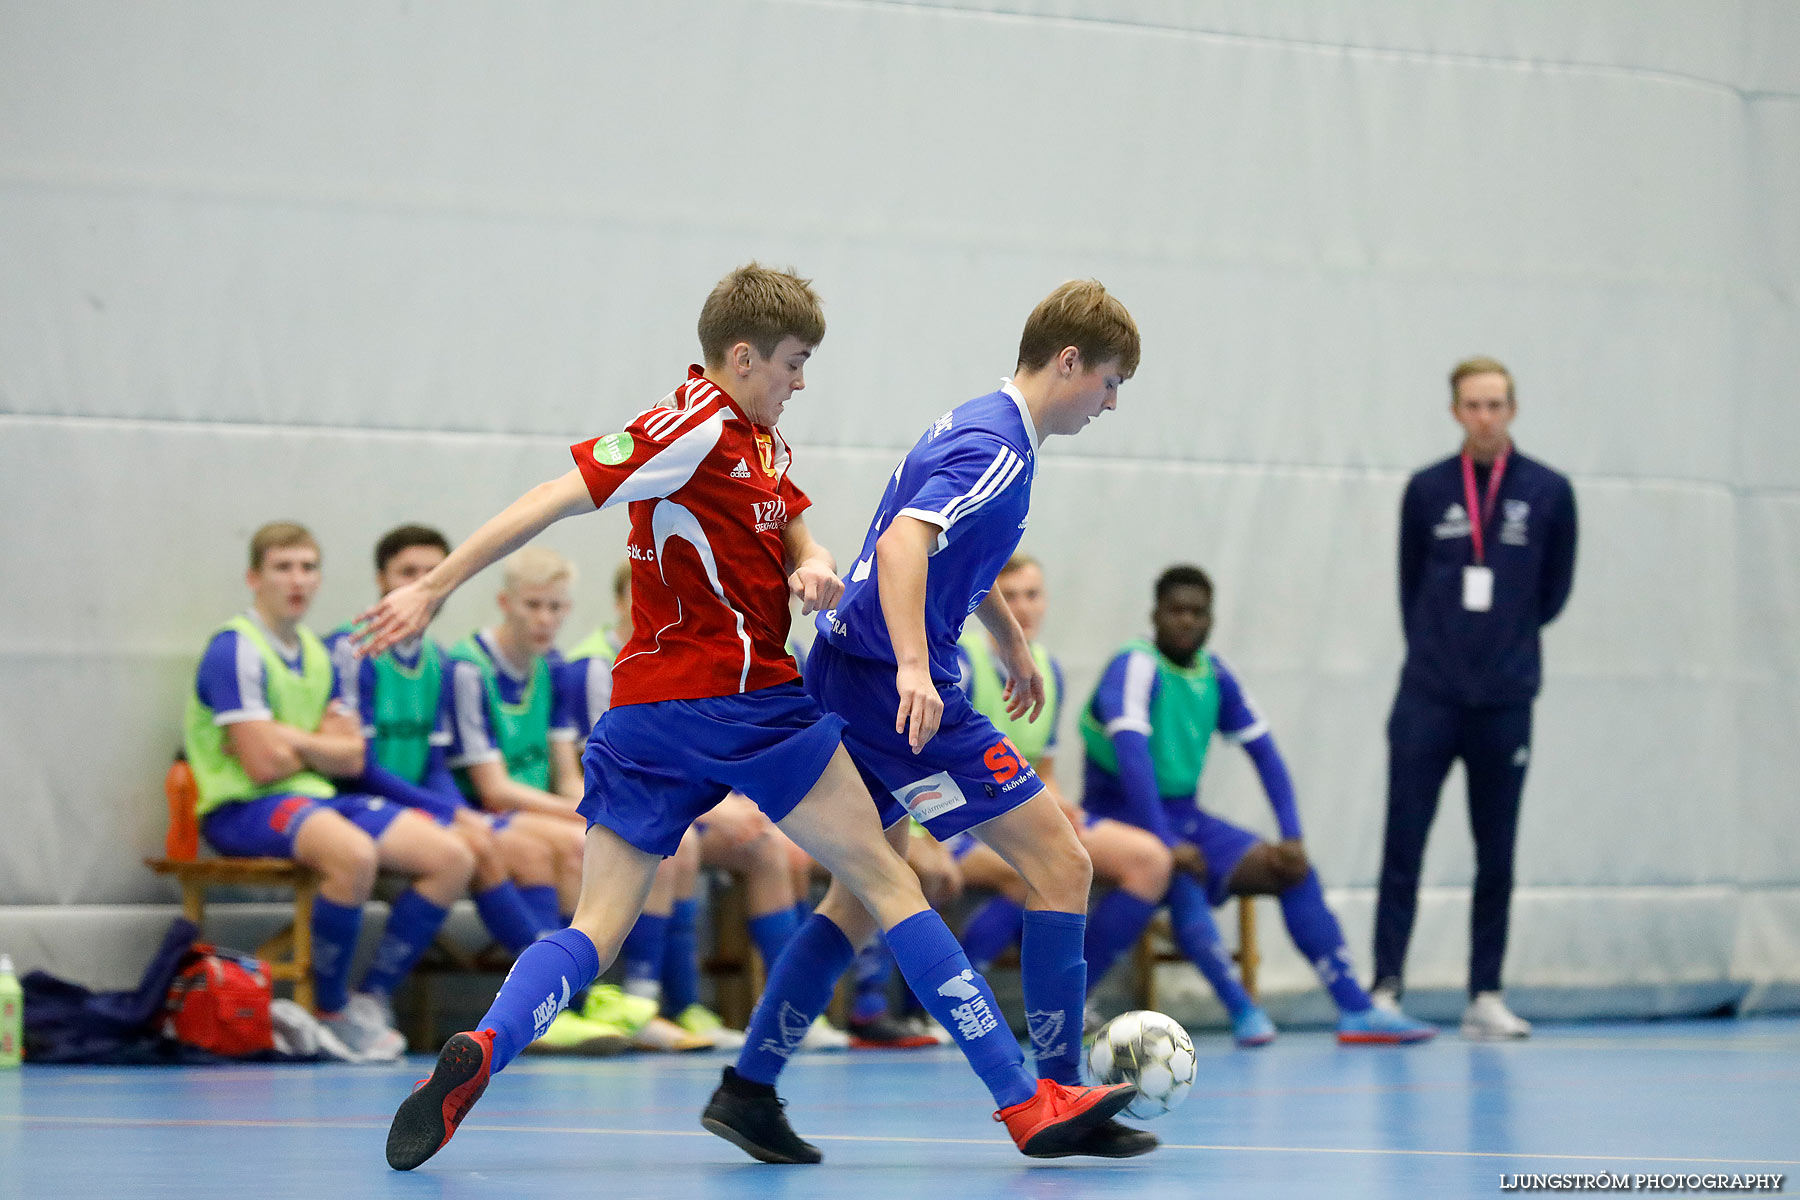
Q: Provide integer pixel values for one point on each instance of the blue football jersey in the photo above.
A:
(969, 477)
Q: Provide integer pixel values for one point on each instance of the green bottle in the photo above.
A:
(12, 1015)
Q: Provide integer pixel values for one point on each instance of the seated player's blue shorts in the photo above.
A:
(967, 774)
(496, 821)
(1221, 843)
(652, 769)
(267, 826)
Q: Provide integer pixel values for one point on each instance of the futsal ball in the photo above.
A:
(1150, 1051)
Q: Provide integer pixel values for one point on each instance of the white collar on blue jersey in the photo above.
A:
(508, 667)
(289, 648)
(1018, 398)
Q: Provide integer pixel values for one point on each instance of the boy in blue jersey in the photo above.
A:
(885, 660)
(1130, 859)
(706, 700)
(267, 730)
(504, 715)
(403, 704)
(1147, 729)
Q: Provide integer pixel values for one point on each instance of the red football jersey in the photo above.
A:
(709, 495)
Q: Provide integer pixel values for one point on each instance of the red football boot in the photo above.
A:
(1054, 1123)
(428, 1118)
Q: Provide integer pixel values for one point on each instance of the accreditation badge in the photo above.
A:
(1478, 589)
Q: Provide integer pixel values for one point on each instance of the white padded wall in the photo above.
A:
(362, 263)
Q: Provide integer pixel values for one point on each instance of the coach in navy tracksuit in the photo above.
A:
(1487, 556)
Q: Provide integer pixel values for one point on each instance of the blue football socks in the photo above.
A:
(681, 958)
(1316, 935)
(1117, 921)
(541, 984)
(541, 900)
(799, 987)
(642, 953)
(994, 928)
(1054, 974)
(874, 968)
(334, 930)
(957, 998)
(505, 914)
(1190, 915)
(412, 922)
(771, 932)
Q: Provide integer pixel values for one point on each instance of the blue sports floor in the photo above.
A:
(1300, 1118)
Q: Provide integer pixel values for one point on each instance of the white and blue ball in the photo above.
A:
(1150, 1051)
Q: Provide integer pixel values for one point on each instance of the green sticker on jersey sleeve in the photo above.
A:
(613, 449)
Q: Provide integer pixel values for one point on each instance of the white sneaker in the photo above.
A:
(1487, 1019)
(925, 1024)
(365, 1027)
(821, 1035)
(1386, 996)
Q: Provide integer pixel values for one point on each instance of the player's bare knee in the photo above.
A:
(1063, 876)
(349, 865)
(455, 862)
(1147, 869)
(533, 862)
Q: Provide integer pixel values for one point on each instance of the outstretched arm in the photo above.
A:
(406, 611)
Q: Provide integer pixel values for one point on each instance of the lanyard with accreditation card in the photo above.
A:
(1478, 579)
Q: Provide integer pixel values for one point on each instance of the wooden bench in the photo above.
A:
(1156, 947)
(289, 952)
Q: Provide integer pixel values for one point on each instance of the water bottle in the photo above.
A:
(12, 1015)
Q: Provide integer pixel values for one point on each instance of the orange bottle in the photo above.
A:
(183, 841)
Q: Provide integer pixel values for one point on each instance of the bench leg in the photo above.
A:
(1143, 969)
(302, 958)
(193, 902)
(1248, 958)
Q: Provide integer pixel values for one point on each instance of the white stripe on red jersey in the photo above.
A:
(709, 598)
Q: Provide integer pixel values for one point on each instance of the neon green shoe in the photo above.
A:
(572, 1033)
(702, 1021)
(612, 1005)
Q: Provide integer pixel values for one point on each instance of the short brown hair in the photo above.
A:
(621, 579)
(1080, 313)
(278, 535)
(1481, 364)
(405, 537)
(1018, 562)
(759, 305)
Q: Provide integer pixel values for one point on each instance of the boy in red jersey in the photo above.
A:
(706, 700)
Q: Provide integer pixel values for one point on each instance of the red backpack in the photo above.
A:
(219, 1001)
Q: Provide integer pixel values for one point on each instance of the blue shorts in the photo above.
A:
(967, 774)
(266, 827)
(1221, 843)
(960, 845)
(652, 769)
